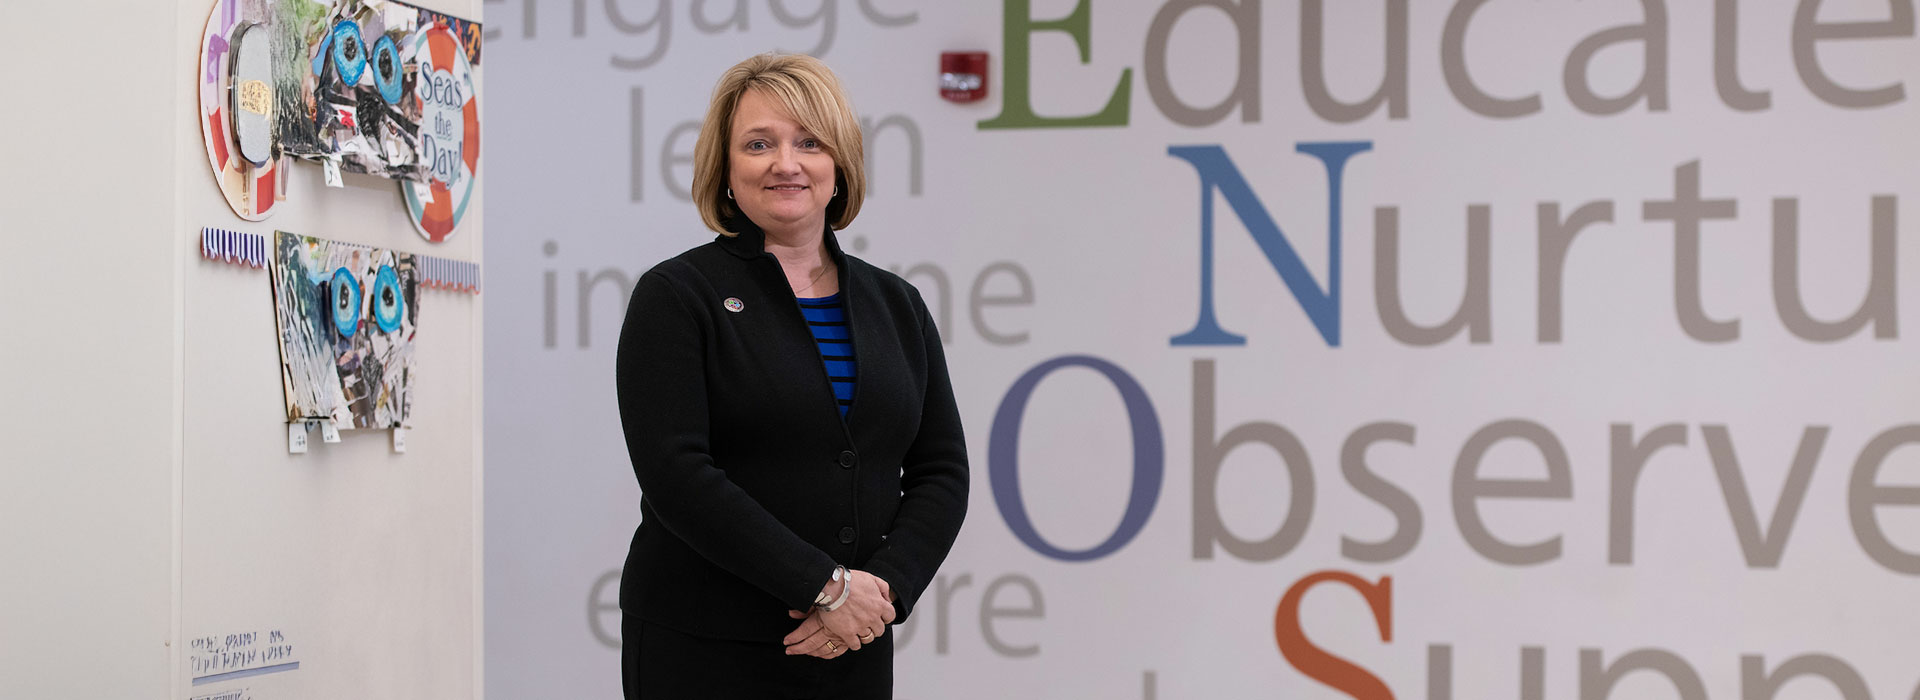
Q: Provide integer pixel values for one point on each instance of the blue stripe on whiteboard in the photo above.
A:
(235, 247)
(448, 274)
(263, 670)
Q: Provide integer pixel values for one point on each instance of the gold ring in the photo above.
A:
(868, 637)
(830, 647)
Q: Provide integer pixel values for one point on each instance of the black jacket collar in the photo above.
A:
(750, 242)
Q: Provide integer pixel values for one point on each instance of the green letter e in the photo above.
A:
(1016, 110)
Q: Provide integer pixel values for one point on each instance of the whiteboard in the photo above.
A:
(350, 570)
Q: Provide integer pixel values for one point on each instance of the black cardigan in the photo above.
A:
(753, 487)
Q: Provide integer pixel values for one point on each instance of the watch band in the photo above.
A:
(823, 598)
(846, 587)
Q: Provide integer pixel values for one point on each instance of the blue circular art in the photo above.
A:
(346, 302)
(349, 52)
(386, 69)
(387, 302)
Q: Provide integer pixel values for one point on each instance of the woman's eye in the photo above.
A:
(809, 143)
(756, 145)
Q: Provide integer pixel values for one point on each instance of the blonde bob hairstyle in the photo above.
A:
(812, 95)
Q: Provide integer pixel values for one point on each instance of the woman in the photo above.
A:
(789, 417)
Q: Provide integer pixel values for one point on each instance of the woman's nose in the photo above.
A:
(785, 162)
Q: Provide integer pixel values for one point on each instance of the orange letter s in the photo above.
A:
(1316, 663)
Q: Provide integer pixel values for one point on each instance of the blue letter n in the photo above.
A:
(1217, 172)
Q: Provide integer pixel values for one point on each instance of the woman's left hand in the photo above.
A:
(811, 638)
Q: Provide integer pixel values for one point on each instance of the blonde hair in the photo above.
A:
(812, 95)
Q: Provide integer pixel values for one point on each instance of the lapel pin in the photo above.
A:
(734, 304)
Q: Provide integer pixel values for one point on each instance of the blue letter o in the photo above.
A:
(1003, 457)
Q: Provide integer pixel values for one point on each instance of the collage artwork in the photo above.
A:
(360, 86)
(346, 316)
(374, 87)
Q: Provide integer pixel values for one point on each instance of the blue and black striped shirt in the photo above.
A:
(827, 318)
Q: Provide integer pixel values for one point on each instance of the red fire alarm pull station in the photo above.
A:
(963, 75)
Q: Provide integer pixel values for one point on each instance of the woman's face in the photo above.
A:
(782, 177)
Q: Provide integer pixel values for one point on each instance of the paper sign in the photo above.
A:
(296, 438)
(332, 167)
(400, 440)
(329, 432)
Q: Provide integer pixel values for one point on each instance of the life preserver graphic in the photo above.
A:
(248, 188)
(346, 302)
(449, 134)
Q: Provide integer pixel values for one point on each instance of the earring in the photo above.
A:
(836, 191)
(729, 193)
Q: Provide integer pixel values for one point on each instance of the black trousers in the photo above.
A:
(658, 663)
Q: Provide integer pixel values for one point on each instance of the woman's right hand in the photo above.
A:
(865, 614)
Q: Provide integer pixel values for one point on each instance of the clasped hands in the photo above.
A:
(858, 621)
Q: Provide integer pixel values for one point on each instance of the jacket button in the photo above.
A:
(846, 459)
(846, 535)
